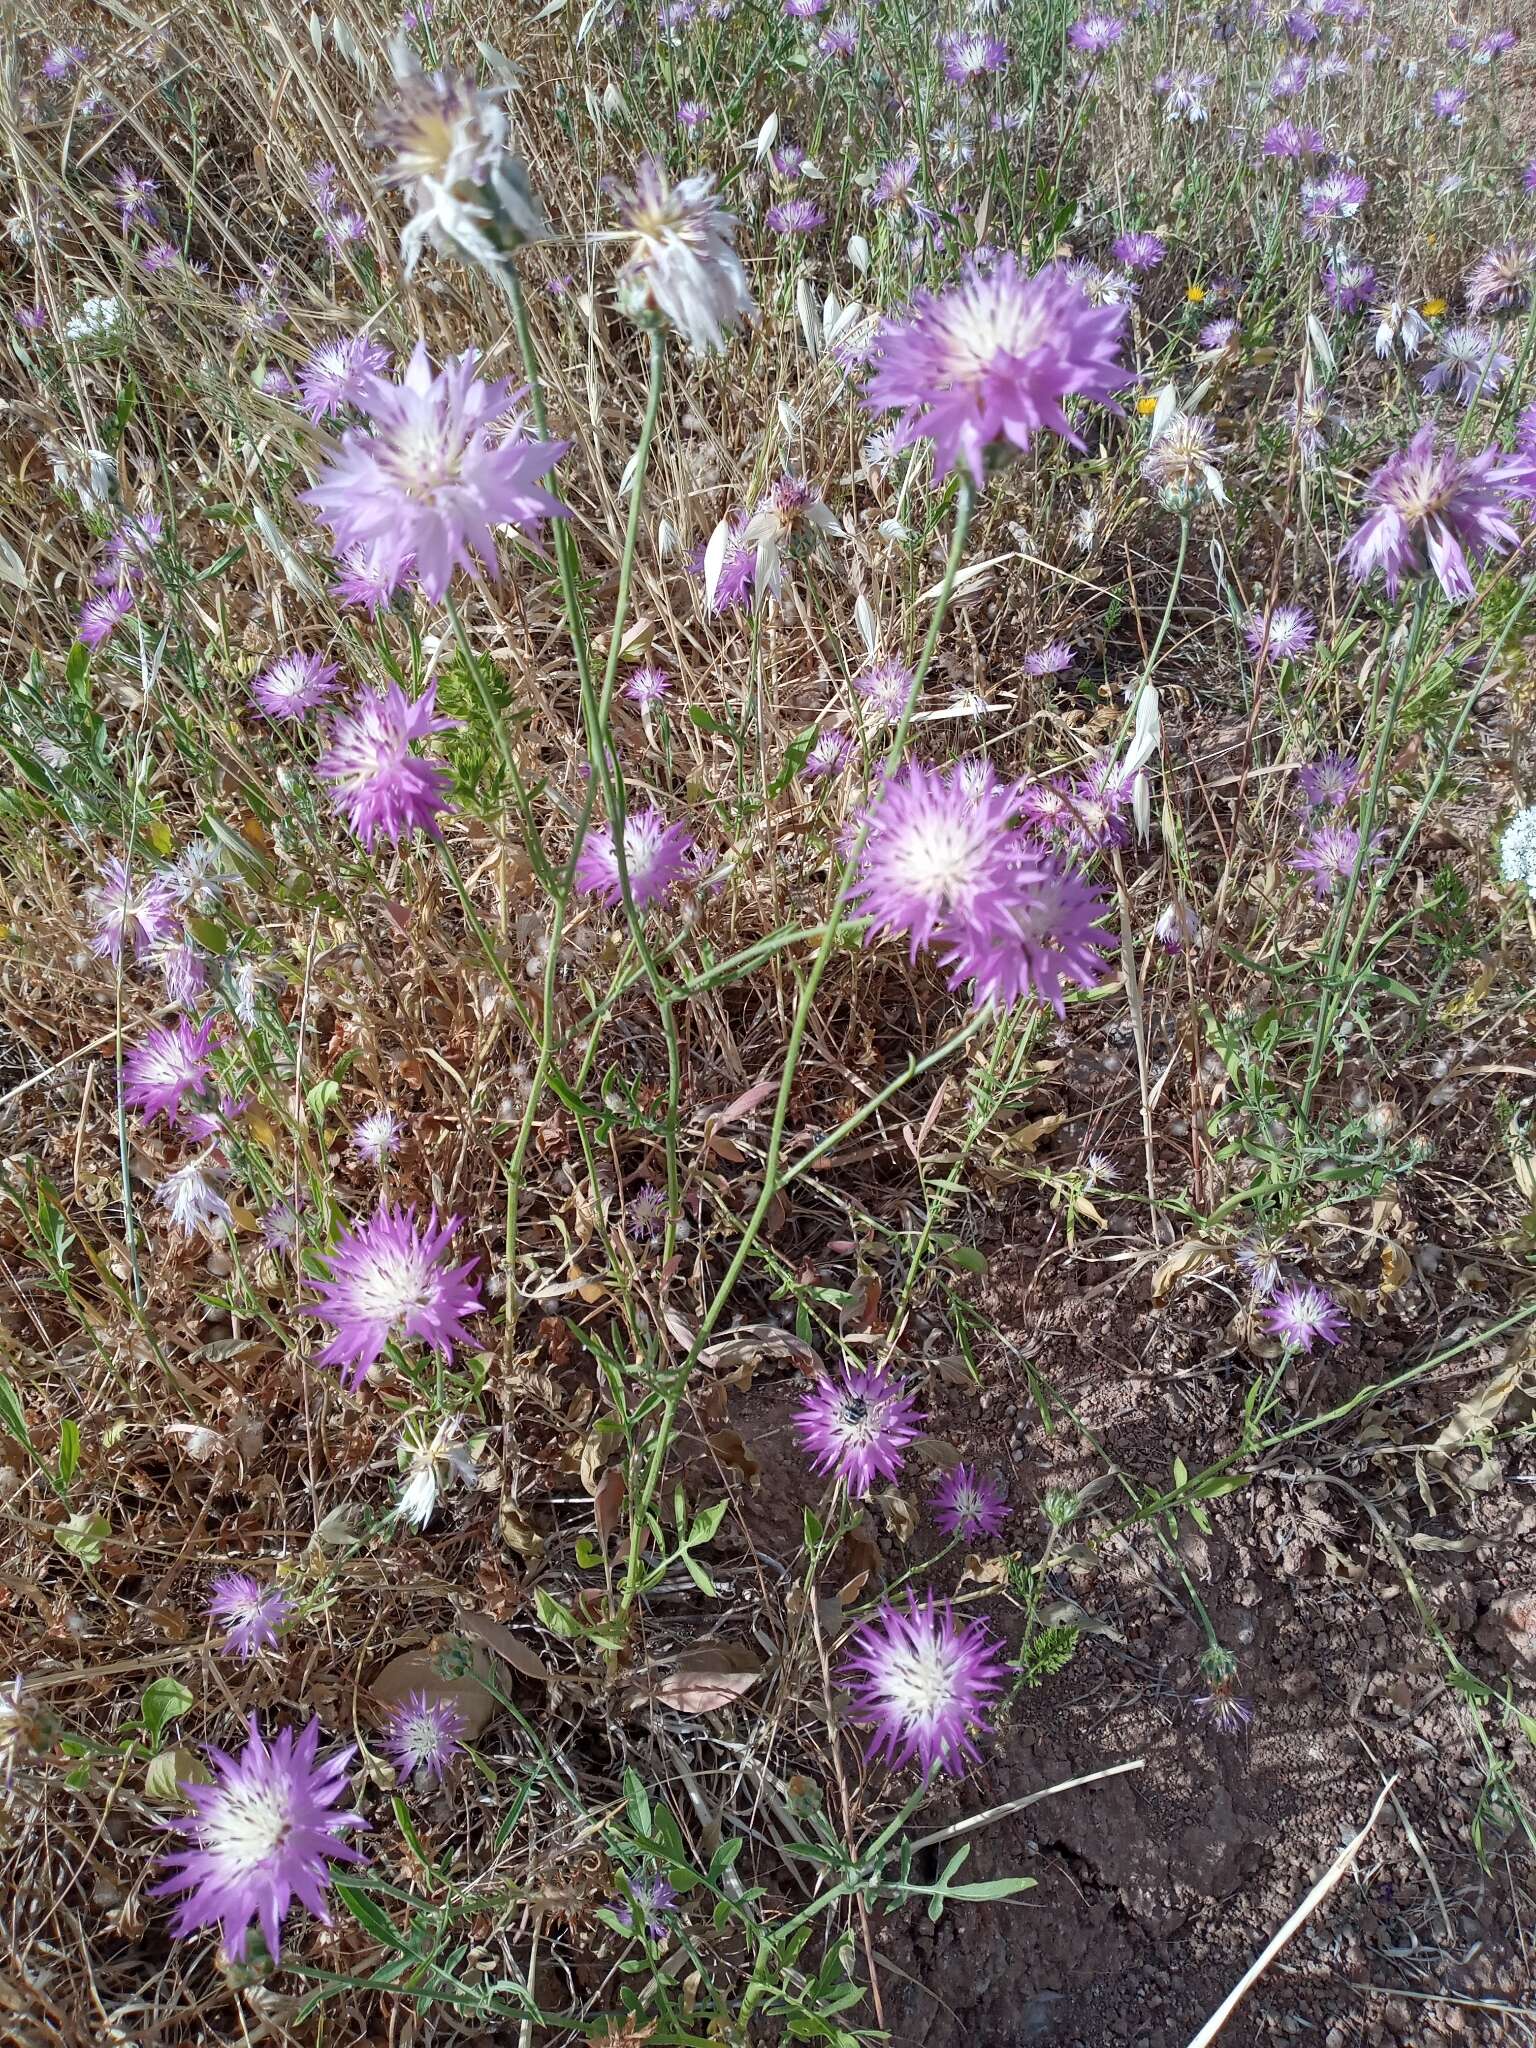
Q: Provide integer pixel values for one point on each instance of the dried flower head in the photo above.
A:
(682, 263)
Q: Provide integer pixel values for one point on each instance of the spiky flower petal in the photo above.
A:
(170, 1065)
(379, 785)
(656, 859)
(1437, 510)
(968, 1507)
(857, 1426)
(924, 1681)
(252, 1611)
(426, 1732)
(390, 1280)
(683, 262)
(1301, 1314)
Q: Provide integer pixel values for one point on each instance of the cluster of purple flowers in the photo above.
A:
(1332, 851)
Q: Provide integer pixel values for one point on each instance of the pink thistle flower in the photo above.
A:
(923, 1681)
(645, 1213)
(738, 567)
(377, 1137)
(101, 615)
(428, 481)
(885, 687)
(1528, 177)
(1300, 1314)
(1471, 365)
(693, 114)
(1093, 34)
(648, 685)
(375, 779)
(370, 576)
(296, 683)
(1331, 781)
(970, 58)
(1138, 251)
(857, 1427)
(184, 973)
(683, 262)
(1046, 806)
(337, 373)
(1436, 510)
(1327, 200)
(62, 60)
(1054, 659)
(265, 1833)
(424, 1735)
(830, 753)
(937, 854)
(655, 859)
(389, 1280)
(968, 1507)
(253, 1611)
(651, 1896)
(135, 197)
(1292, 143)
(1450, 104)
(1050, 935)
(33, 319)
(992, 359)
(804, 10)
(1098, 801)
(1499, 282)
(1177, 928)
(839, 38)
(170, 1065)
(1350, 285)
(143, 914)
(795, 217)
(1284, 634)
(1332, 855)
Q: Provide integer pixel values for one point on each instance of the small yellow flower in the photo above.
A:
(1429, 241)
(1433, 308)
(1196, 294)
(1146, 405)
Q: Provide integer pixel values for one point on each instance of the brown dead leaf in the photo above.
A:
(900, 1515)
(938, 1451)
(1396, 1267)
(606, 1502)
(1476, 1416)
(518, 1533)
(1028, 1137)
(511, 1648)
(1189, 1257)
(714, 1654)
(730, 1448)
(699, 1692)
(986, 1571)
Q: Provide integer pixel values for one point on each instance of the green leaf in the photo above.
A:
(638, 1802)
(706, 721)
(83, 1536)
(1180, 1474)
(813, 1529)
(69, 1451)
(967, 1258)
(165, 1699)
(13, 1418)
(699, 1576)
(557, 1619)
(993, 1888)
(368, 1914)
(321, 1096)
(211, 936)
(707, 1522)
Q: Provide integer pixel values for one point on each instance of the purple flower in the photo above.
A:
(1528, 177)
(389, 1280)
(645, 1213)
(1093, 34)
(682, 261)
(144, 913)
(856, 1428)
(254, 1613)
(1227, 1712)
(1097, 805)
(1215, 336)
(184, 974)
(1470, 363)
(1350, 285)
(62, 60)
(966, 1506)
(1291, 77)
(830, 753)
(1332, 855)
(135, 197)
(992, 359)
(282, 1227)
(652, 1896)
(425, 1734)
(1050, 935)
(430, 479)
(738, 567)
(171, 1064)
(1054, 659)
(647, 685)
(1331, 781)
(339, 373)
(937, 854)
(377, 1136)
(923, 1680)
(886, 685)
(1436, 509)
(804, 10)
(1292, 142)
(375, 779)
(1301, 1313)
(264, 1833)
(1499, 282)
(839, 38)
(295, 684)
(692, 114)
(370, 577)
(33, 319)
(970, 58)
(795, 217)
(1450, 104)
(655, 859)
(1284, 634)
(1139, 251)
(1327, 200)
(100, 616)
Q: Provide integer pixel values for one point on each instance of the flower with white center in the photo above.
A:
(391, 1282)
(265, 1833)
(1179, 460)
(1471, 365)
(432, 1461)
(377, 1136)
(656, 859)
(424, 1735)
(924, 1681)
(192, 1199)
(138, 914)
(857, 1427)
(252, 1611)
(1399, 325)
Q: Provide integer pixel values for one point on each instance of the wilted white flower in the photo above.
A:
(792, 509)
(432, 1460)
(1517, 849)
(101, 322)
(682, 262)
(450, 141)
(193, 1202)
(1399, 325)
